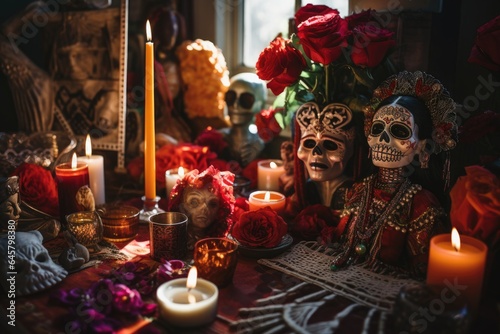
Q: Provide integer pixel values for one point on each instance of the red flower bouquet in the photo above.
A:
(475, 205)
(329, 59)
(38, 188)
(261, 228)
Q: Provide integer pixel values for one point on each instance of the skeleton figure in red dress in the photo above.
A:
(387, 221)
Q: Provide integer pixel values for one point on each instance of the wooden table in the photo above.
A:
(251, 282)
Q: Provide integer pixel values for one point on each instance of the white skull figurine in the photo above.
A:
(325, 145)
(35, 270)
(393, 137)
(246, 96)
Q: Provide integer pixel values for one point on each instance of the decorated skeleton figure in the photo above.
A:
(246, 96)
(326, 145)
(387, 221)
(35, 269)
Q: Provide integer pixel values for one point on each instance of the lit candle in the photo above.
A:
(96, 172)
(149, 120)
(188, 302)
(458, 266)
(268, 174)
(70, 177)
(262, 199)
(171, 177)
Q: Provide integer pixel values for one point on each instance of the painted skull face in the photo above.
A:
(325, 148)
(201, 206)
(246, 96)
(35, 269)
(393, 137)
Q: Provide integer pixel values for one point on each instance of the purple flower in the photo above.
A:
(170, 269)
(127, 300)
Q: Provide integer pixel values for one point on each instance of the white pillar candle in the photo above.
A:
(268, 174)
(183, 303)
(96, 172)
(171, 177)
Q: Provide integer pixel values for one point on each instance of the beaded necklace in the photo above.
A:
(362, 229)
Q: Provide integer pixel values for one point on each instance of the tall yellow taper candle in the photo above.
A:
(149, 120)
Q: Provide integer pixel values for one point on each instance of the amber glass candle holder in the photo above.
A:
(216, 259)
(86, 227)
(120, 222)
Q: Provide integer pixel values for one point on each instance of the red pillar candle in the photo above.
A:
(70, 177)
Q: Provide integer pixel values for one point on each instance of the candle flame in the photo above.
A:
(191, 279)
(267, 196)
(148, 31)
(180, 172)
(273, 164)
(88, 147)
(74, 161)
(455, 239)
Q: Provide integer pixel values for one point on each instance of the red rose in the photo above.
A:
(267, 125)
(323, 37)
(485, 51)
(315, 221)
(363, 17)
(311, 10)
(211, 138)
(475, 205)
(38, 188)
(371, 44)
(280, 64)
(260, 228)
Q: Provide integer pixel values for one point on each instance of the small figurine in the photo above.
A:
(286, 180)
(246, 96)
(388, 221)
(10, 209)
(207, 200)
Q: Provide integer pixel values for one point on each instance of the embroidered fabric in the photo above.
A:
(310, 262)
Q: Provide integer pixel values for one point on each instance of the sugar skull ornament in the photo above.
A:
(326, 145)
(35, 269)
(393, 137)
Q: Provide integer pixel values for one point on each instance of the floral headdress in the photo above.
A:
(329, 58)
(432, 93)
(219, 183)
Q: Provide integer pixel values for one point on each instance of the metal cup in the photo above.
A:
(168, 236)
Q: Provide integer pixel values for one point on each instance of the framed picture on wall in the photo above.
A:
(87, 61)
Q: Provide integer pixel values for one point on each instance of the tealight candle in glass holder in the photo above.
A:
(215, 259)
(86, 227)
(120, 222)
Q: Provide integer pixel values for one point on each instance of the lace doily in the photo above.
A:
(310, 262)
